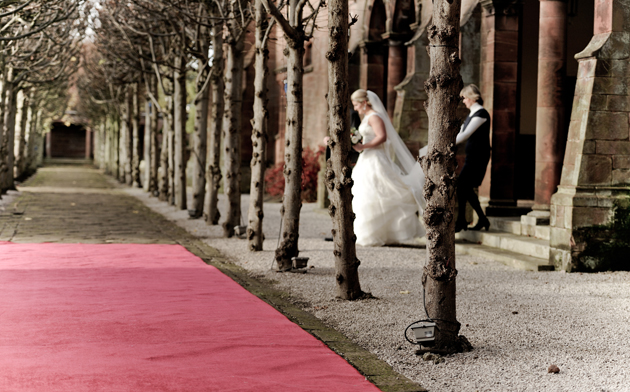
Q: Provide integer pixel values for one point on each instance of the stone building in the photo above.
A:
(554, 75)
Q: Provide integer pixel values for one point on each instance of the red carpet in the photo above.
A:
(147, 318)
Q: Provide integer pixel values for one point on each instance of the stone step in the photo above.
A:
(506, 224)
(514, 225)
(508, 241)
(542, 232)
(505, 211)
(512, 259)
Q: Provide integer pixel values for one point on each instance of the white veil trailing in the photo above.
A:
(410, 170)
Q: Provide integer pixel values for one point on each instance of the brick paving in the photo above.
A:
(75, 203)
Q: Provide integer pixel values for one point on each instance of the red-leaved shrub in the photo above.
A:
(274, 177)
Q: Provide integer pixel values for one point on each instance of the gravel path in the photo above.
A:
(519, 322)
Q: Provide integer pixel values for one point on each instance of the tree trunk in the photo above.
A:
(102, 137)
(200, 136)
(155, 148)
(148, 140)
(171, 151)
(124, 147)
(20, 132)
(32, 136)
(8, 144)
(179, 125)
(338, 172)
(129, 135)
(442, 87)
(111, 147)
(116, 146)
(38, 157)
(3, 141)
(135, 129)
(259, 133)
(164, 159)
(232, 132)
(213, 171)
(292, 199)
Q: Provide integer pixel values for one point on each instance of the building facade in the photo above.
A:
(554, 75)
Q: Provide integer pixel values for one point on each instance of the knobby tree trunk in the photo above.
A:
(113, 146)
(8, 144)
(32, 136)
(170, 108)
(200, 137)
(164, 161)
(116, 145)
(259, 132)
(20, 150)
(155, 147)
(102, 144)
(179, 120)
(338, 172)
(231, 131)
(148, 140)
(4, 143)
(213, 171)
(442, 87)
(126, 141)
(111, 143)
(135, 129)
(294, 28)
(292, 198)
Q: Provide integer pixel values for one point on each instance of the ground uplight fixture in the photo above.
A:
(299, 262)
(424, 332)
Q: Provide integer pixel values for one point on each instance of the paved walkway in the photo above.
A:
(78, 204)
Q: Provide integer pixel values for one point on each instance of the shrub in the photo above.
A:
(274, 177)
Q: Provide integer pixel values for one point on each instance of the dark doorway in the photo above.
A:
(67, 141)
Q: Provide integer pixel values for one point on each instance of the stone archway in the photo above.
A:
(399, 32)
(374, 51)
(68, 141)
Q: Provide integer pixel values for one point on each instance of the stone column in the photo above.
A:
(374, 68)
(88, 143)
(500, 89)
(550, 122)
(593, 199)
(410, 118)
(396, 67)
(49, 143)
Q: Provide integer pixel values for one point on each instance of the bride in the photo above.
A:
(388, 181)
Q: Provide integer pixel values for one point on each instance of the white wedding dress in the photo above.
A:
(387, 212)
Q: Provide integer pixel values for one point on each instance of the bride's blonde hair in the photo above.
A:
(360, 96)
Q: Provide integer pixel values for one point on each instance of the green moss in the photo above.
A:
(607, 247)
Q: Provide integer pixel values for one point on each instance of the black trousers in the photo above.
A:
(469, 178)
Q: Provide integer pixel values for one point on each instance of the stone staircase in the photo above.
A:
(520, 242)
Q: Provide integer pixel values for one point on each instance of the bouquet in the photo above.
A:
(355, 136)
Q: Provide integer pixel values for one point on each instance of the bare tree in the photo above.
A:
(338, 172)
(297, 29)
(37, 45)
(239, 18)
(151, 147)
(135, 131)
(213, 169)
(259, 130)
(200, 139)
(443, 87)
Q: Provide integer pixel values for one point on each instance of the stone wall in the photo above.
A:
(595, 183)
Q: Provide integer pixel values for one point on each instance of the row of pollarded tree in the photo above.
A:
(39, 45)
(143, 50)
